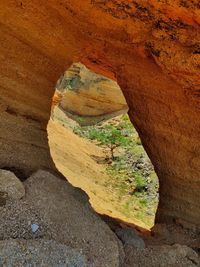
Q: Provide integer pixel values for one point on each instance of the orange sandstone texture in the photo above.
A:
(88, 97)
(152, 48)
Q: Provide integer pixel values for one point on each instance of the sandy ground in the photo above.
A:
(72, 156)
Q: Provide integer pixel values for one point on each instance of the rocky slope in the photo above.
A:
(150, 47)
(53, 225)
(110, 184)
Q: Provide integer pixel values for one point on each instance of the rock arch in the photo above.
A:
(152, 48)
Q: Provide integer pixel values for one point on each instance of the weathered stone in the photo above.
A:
(88, 97)
(39, 253)
(71, 220)
(150, 47)
(161, 256)
(130, 237)
(10, 186)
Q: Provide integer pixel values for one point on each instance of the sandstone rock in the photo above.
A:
(39, 253)
(88, 97)
(10, 186)
(130, 237)
(70, 219)
(150, 47)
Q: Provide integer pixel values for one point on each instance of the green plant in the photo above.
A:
(108, 135)
(112, 137)
(140, 183)
(130, 185)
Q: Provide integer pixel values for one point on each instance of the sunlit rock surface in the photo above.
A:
(88, 97)
(151, 48)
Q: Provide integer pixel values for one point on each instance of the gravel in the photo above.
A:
(43, 253)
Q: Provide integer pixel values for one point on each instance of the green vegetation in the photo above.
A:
(132, 176)
(108, 135)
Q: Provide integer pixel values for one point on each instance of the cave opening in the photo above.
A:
(95, 146)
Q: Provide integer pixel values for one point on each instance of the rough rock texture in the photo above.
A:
(11, 185)
(71, 221)
(130, 237)
(16, 219)
(162, 256)
(88, 97)
(151, 47)
(44, 253)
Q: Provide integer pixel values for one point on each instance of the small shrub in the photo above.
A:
(140, 183)
(108, 135)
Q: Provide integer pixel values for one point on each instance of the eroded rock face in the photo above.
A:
(88, 97)
(151, 47)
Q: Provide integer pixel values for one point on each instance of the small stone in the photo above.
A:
(140, 160)
(130, 237)
(140, 166)
(34, 227)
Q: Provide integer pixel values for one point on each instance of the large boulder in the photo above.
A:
(71, 220)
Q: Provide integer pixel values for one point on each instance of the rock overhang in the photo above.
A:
(151, 47)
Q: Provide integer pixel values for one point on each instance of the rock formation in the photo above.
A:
(69, 230)
(87, 97)
(150, 47)
(10, 186)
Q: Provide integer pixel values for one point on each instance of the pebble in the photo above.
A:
(34, 227)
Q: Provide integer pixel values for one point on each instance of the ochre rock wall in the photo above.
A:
(88, 97)
(152, 49)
